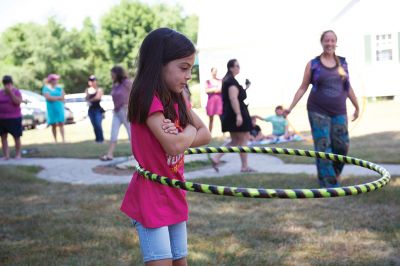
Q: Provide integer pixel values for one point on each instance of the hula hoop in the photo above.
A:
(275, 193)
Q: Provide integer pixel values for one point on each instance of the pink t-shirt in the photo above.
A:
(7, 108)
(152, 204)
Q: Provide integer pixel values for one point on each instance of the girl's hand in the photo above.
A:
(169, 127)
(239, 120)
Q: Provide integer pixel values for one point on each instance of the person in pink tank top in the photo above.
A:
(214, 102)
(163, 126)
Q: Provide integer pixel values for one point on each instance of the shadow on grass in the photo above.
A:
(57, 224)
(241, 231)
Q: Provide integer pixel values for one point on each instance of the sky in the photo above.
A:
(70, 13)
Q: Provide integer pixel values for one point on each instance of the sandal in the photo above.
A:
(248, 170)
(106, 158)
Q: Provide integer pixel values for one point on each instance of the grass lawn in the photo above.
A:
(61, 224)
(374, 136)
(378, 148)
(39, 142)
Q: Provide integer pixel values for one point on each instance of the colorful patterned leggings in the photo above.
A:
(330, 135)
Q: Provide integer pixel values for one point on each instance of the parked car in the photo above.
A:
(33, 99)
(34, 110)
(69, 116)
(76, 102)
(32, 117)
(28, 121)
(107, 103)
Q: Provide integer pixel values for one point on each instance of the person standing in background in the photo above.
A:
(10, 117)
(54, 95)
(95, 112)
(235, 117)
(214, 102)
(326, 106)
(120, 94)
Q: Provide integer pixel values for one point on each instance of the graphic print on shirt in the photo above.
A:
(175, 162)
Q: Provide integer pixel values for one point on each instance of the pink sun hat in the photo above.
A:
(53, 77)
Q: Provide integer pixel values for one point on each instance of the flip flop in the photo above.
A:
(106, 158)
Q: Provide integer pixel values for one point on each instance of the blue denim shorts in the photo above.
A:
(167, 242)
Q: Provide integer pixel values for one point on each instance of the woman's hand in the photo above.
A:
(355, 115)
(239, 120)
(169, 127)
(354, 101)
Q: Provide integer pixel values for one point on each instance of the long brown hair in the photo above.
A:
(341, 71)
(160, 47)
(120, 74)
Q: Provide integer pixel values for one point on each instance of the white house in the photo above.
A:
(274, 40)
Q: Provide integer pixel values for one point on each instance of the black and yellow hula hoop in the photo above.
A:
(275, 193)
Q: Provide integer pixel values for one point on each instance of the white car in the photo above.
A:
(77, 103)
(107, 103)
(33, 100)
(34, 105)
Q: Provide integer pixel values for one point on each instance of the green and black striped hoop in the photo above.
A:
(275, 193)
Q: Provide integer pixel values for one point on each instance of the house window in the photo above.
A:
(384, 47)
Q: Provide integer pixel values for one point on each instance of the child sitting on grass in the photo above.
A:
(255, 132)
(280, 125)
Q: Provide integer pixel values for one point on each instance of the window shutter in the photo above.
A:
(398, 43)
(367, 48)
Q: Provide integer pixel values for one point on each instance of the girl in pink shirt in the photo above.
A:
(163, 126)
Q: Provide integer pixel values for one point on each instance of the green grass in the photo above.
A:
(377, 148)
(61, 224)
(196, 165)
(84, 149)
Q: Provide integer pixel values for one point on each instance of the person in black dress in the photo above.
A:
(235, 116)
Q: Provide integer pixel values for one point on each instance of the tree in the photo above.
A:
(18, 46)
(29, 51)
(125, 26)
(191, 27)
